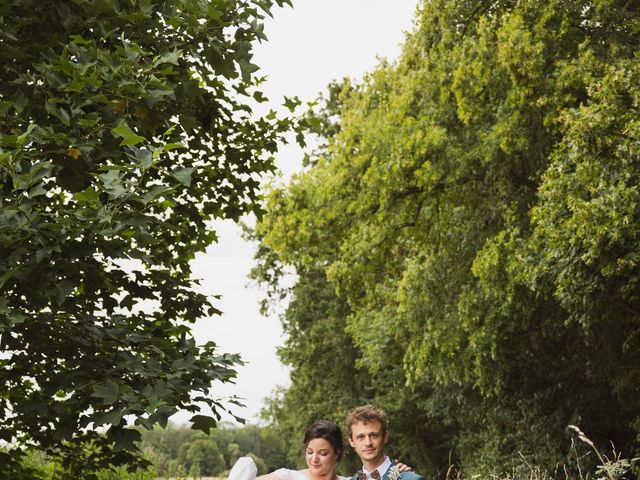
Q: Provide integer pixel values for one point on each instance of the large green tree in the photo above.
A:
(476, 211)
(125, 128)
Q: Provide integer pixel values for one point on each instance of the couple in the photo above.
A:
(324, 446)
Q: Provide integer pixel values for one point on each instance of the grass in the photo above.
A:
(609, 468)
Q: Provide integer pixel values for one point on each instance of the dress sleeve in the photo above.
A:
(244, 469)
(283, 474)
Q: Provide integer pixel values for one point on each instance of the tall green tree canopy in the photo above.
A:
(125, 127)
(475, 218)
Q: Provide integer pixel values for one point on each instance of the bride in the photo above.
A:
(323, 450)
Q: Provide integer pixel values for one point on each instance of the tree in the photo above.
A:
(475, 213)
(325, 380)
(587, 222)
(162, 446)
(126, 127)
(203, 455)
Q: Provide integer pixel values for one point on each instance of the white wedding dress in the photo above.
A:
(245, 469)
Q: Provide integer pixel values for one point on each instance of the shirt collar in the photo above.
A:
(382, 468)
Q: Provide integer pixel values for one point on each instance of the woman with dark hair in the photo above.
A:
(324, 447)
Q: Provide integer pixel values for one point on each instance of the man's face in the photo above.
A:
(368, 441)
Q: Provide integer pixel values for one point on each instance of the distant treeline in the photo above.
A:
(178, 449)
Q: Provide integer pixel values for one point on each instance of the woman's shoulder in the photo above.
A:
(287, 474)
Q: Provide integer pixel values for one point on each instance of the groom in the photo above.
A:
(367, 428)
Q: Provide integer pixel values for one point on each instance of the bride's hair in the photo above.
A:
(328, 431)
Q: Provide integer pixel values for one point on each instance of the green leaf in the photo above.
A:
(7, 275)
(37, 190)
(292, 103)
(183, 175)
(108, 392)
(11, 318)
(125, 438)
(4, 107)
(203, 423)
(213, 13)
(113, 181)
(169, 130)
(156, 191)
(129, 137)
(77, 39)
(172, 146)
(62, 290)
(114, 417)
(170, 57)
(76, 85)
(32, 176)
(22, 138)
(89, 196)
(141, 156)
(87, 122)
(259, 97)
(246, 69)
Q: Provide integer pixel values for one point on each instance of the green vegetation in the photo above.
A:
(178, 452)
(465, 238)
(125, 128)
(465, 243)
(176, 449)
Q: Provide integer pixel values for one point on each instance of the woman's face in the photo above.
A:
(321, 457)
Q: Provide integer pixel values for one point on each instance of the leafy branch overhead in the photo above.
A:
(125, 128)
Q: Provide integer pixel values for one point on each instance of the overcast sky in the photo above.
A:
(310, 45)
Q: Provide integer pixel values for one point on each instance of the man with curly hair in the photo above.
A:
(367, 430)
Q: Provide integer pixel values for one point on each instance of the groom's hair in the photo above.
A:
(366, 414)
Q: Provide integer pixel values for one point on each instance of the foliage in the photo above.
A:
(179, 448)
(125, 128)
(121, 473)
(204, 455)
(466, 244)
(36, 465)
(323, 355)
(178, 451)
(610, 467)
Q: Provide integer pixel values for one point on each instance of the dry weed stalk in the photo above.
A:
(587, 440)
(614, 468)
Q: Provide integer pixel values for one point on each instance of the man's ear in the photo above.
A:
(386, 438)
(351, 442)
